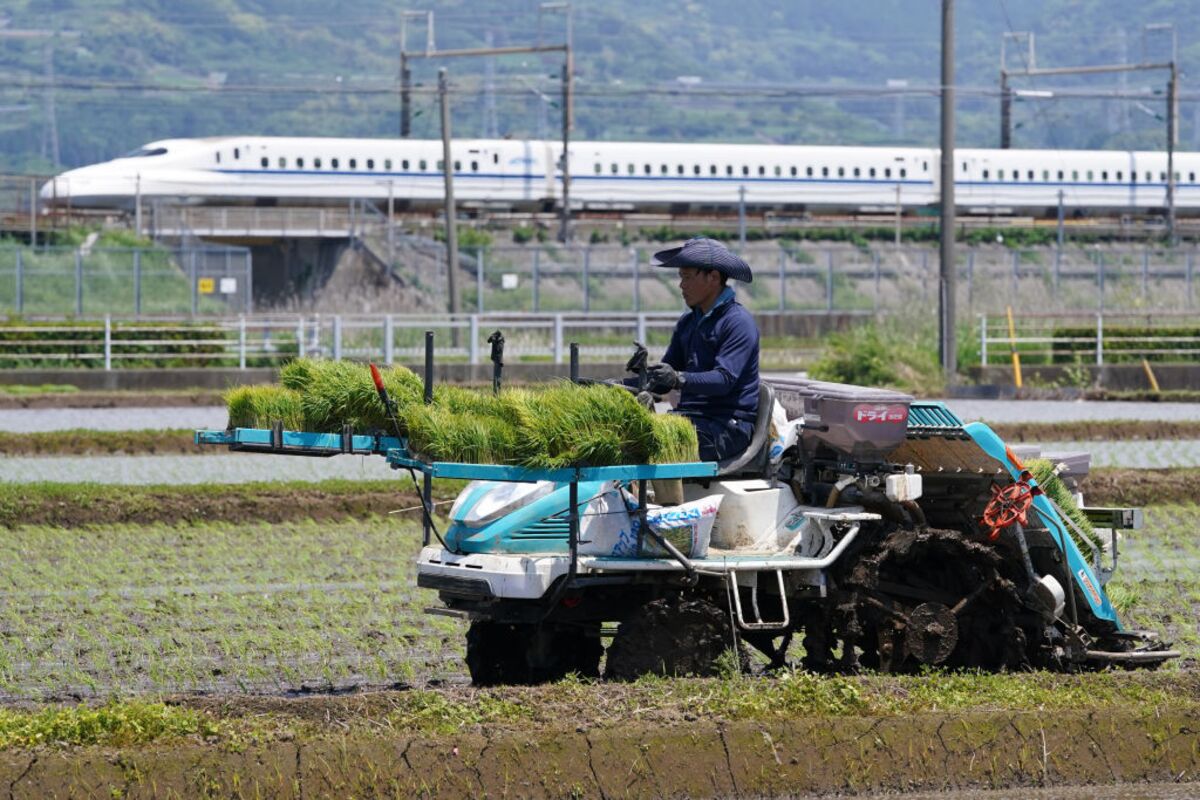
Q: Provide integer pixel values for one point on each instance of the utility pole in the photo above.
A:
(491, 125)
(564, 233)
(451, 213)
(946, 315)
(406, 68)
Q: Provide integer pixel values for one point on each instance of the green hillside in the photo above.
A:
(754, 71)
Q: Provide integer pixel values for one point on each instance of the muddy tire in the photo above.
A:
(671, 638)
(935, 598)
(504, 653)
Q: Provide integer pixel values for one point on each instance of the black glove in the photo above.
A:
(662, 378)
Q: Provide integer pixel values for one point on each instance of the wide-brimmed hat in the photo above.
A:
(702, 253)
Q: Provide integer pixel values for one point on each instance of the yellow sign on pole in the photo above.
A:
(206, 285)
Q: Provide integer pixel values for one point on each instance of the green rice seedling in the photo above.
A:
(262, 406)
(342, 392)
(674, 439)
(1056, 490)
(569, 425)
(439, 434)
(297, 374)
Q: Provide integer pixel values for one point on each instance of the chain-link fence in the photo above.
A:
(192, 280)
(792, 277)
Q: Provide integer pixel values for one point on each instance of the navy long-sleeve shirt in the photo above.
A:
(718, 352)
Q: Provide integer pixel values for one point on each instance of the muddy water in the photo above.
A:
(216, 468)
(1126, 791)
(32, 420)
(1069, 410)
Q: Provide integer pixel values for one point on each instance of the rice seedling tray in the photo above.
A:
(401, 459)
(300, 443)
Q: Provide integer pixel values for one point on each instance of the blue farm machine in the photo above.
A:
(877, 531)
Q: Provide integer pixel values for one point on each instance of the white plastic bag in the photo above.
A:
(606, 528)
(784, 432)
(687, 526)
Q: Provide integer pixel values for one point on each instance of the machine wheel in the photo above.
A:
(670, 637)
(507, 653)
(933, 597)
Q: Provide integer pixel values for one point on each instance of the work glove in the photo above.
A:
(662, 378)
(645, 400)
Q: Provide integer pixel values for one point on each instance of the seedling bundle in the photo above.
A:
(556, 425)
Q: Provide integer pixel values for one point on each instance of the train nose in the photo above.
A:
(50, 191)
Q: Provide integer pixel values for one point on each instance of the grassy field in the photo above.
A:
(305, 606)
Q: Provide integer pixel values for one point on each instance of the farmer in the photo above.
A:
(713, 356)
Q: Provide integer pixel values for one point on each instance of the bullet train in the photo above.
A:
(628, 176)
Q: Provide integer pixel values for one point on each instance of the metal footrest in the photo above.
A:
(758, 624)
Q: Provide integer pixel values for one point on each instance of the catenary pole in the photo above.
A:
(946, 343)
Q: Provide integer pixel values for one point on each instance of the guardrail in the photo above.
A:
(244, 342)
(1085, 339)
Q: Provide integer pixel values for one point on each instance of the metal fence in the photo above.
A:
(193, 280)
(810, 278)
(1087, 339)
(247, 341)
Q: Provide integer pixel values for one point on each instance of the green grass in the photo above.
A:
(26, 390)
(114, 724)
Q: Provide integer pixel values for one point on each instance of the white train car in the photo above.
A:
(625, 175)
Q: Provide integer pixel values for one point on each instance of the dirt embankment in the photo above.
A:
(1097, 431)
(91, 399)
(76, 506)
(699, 759)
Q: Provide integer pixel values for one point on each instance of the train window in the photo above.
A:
(824, 172)
(1029, 175)
(841, 172)
(964, 166)
(857, 172)
(1104, 175)
(1191, 177)
(778, 170)
(282, 162)
(370, 163)
(871, 172)
(762, 170)
(598, 169)
(696, 169)
(236, 153)
(218, 156)
(985, 174)
(903, 172)
(457, 165)
(316, 163)
(679, 169)
(808, 171)
(495, 158)
(648, 169)
(1074, 174)
(1016, 175)
(440, 165)
(264, 162)
(1176, 176)
(999, 174)
(728, 169)
(745, 170)
(1091, 175)
(794, 172)
(404, 163)
(925, 166)
(630, 168)
(663, 169)
(1060, 174)
(300, 163)
(712, 169)
(333, 163)
(1133, 176)
(354, 163)
(614, 169)
(887, 172)
(1045, 174)
(1119, 175)
(1162, 176)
